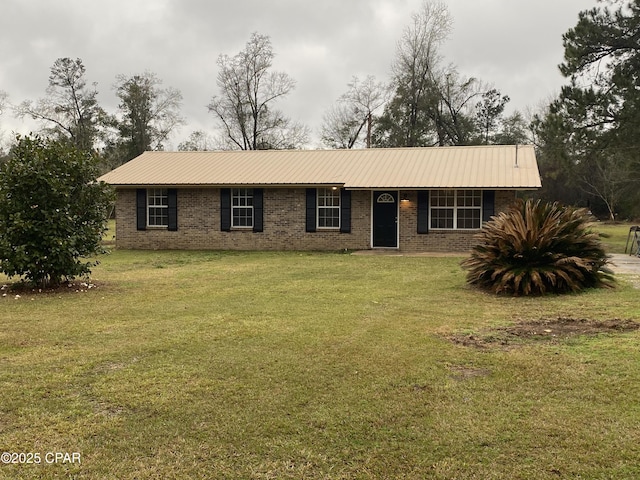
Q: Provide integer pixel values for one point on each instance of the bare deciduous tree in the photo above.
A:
(432, 103)
(451, 110)
(608, 178)
(4, 98)
(198, 141)
(417, 59)
(427, 103)
(344, 122)
(70, 109)
(248, 92)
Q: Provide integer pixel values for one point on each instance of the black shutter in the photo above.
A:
(141, 209)
(488, 204)
(345, 211)
(423, 211)
(172, 209)
(258, 209)
(311, 210)
(225, 209)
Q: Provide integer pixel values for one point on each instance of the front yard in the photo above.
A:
(314, 365)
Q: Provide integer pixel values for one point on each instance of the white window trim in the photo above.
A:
(151, 192)
(234, 207)
(318, 207)
(455, 210)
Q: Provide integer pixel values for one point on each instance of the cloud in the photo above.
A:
(514, 45)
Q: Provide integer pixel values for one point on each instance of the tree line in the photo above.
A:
(147, 113)
(426, 102)
(586, 137)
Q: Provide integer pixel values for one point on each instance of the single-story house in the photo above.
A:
(410, 199)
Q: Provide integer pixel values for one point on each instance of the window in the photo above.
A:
(442, 207)
(386, 198)
(242, 207)
(157, 207)
(469, 203)
(455, 209)
(328, 208)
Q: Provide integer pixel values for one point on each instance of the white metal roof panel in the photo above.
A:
(494, 166)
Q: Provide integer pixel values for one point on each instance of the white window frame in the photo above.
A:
(322, 196)
(470, 200)
(158, 202)
(240, 200)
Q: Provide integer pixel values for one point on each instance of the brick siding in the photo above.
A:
(284, 225)
(440, 240)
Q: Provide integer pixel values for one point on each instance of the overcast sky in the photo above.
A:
(515, 45)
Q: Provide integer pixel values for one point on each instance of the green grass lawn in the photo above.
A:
(315, 366)
(617, 236)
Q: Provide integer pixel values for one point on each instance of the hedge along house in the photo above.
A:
(410, 199)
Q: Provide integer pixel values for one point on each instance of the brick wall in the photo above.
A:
(199, 224)
(439, 241)
(284, 225)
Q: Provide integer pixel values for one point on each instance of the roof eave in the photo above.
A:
(319, 185)
(226, 185)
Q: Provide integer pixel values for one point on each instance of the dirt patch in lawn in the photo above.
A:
(544, 330)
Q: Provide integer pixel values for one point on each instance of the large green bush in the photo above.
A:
(535, 248)
(53, 213)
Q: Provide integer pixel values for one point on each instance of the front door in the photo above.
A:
(385, 219)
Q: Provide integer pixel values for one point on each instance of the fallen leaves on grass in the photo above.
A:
(19, 289)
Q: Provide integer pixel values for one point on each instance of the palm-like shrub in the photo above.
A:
(535, 248)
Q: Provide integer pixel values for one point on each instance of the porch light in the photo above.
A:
(404, 198)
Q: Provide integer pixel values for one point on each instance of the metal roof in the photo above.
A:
(491, 166)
